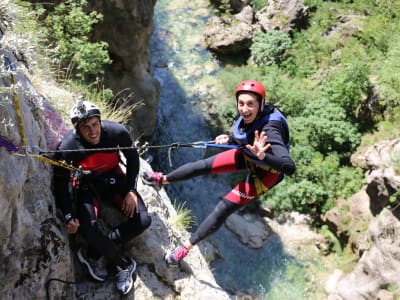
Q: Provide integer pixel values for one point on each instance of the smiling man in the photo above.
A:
(92, 145)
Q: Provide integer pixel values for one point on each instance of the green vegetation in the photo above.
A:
(324, 79)
(257, 4)
(268, 48)
(184, 219)
(69, 28)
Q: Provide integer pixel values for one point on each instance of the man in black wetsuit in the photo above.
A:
(262, 133)
(106, 181)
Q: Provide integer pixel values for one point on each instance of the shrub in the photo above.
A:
(388, 77)
(258, 4)
(69, 28)
(268, 48)
(183, 219)
(325, 127)
(395, 160)
(303, 196)
(347, 86)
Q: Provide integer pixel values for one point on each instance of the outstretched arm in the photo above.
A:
(278, 155)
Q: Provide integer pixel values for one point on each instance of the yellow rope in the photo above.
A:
(54, 162)
(18, 111)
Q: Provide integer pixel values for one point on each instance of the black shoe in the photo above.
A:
(97, 268)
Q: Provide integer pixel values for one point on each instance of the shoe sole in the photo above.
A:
(83, 261)
(130, 275)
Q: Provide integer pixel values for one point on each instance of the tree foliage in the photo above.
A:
(346, 87)
(325, 126)
(70, 28)
(268, 48)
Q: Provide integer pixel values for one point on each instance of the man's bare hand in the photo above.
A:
(130, 204)
(72, 226)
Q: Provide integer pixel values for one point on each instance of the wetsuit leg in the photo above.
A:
(99, 245)
(214, 220)
(135, 225)
(227, 161)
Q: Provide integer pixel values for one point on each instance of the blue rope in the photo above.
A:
(212, 144)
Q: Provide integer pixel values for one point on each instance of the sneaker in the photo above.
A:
(153, 178)
(124, 278)
(97, 268)
(174, 257)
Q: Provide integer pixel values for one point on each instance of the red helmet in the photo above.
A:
(251, 86)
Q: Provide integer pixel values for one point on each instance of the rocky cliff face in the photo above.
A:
(372, 228)
(34, 245)
(127, 27)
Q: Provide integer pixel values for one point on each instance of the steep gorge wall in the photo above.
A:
(34, 244)
(127, 28)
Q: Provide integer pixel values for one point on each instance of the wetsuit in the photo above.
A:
(107, 182)
(262, 175)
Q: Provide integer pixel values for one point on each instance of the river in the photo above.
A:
(186, 70)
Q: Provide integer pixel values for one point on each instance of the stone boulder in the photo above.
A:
(283, 15)
(230, 35)
(378, 267)
(251, 229)
(383, 177)
(234, 35)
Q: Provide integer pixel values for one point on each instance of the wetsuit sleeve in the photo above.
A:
(132, 159)
(278, 156)
(61, 191)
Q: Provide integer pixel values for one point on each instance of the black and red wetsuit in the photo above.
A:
(262, 175)
(106, 182)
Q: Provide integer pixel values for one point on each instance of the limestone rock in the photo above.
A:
(294, 229)
(251, 229)
(283, 15)
(228, 36)
(127, 28)
(378, 267)
(34, 245)
(382, 178)
(234, 35)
